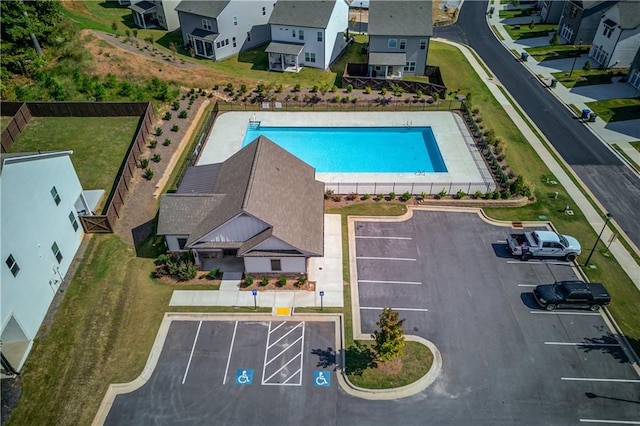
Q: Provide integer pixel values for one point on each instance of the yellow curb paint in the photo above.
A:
(283, 311)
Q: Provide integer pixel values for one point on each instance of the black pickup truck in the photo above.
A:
(572, 294)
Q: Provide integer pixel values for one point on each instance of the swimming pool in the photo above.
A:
(358, 149)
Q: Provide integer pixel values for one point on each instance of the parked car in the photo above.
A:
(544, 244)
(571, 294)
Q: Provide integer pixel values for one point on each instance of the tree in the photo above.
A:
(389, 339)
(555, 40)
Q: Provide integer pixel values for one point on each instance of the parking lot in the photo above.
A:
(505, 360)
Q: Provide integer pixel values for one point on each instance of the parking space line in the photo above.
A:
(293, 375)
(226, 370)
(386, 258)
(284, 350)
(390, 282)
(564, 313)
(589, 379)
(615, 422)
(372, 308)
(277, 327)
(264, 381)
(383, 238)
(537, 262)
(191, 355)
(580, 344)
(526, 285)
(285, 335)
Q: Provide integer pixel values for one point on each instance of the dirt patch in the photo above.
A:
(390, 368)
(440, 14)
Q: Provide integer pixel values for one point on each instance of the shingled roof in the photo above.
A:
(210, 8)
(400, 18)
(263, 181)
(312, 14)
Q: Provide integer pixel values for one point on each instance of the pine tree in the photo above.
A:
(389, 339)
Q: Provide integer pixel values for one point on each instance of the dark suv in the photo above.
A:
(571, 294)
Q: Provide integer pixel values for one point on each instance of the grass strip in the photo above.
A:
(635, 165)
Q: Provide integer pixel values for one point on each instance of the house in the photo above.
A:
(221, 29)
(155, 13)
(41, 199)
(551, 11)
(399, 33)
(580, 19)
(307, 33)
(262, 205)
(618, 36)
(633, 76)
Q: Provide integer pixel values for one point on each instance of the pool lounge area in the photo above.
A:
(374, 141)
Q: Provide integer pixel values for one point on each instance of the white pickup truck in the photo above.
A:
(543, 244)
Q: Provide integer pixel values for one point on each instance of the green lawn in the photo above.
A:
(580, 77)
(4, 121)
(616, 109)
(548, 53)
(99, 144)
(514, 13)
(517, 32)
(636, 145)
(635, 165)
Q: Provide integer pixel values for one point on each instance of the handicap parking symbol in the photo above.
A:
(244, 377)
(321, 378)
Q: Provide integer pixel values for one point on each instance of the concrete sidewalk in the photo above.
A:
(620, 132)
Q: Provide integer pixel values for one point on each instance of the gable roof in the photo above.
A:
(199, 179)
(629, 14)
(210, 8)
(180, 213)
(313, 14)
(408, 18)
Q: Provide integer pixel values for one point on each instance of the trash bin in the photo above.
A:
(491, 10)
(524, 56)
(585, 114)
(592, 117)
(554, 83)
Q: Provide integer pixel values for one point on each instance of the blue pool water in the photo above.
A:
(358, 149)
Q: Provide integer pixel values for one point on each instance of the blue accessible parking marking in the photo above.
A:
(321, 378)
(244, 377)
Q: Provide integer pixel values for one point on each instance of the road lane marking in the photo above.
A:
(580, 344)
(285, 335)
(390, 282)
(563, 313)
(373, 308)
(191, 355)
(386, 258)
(588, 379)
(383, 238)
(526, 285)
(226, 370)
(616, 422)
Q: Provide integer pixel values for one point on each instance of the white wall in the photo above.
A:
(334, 34)
(31, 222)
(166, 8)
(263, 264)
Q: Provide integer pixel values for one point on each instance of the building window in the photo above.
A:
(55, 195)
(161, 19)
(301, 35)
(293, 33)
(217, 45)
(235, 21)
(226, 41)
(206, 24)
(248, 36)
(73, 220)
(309, 57)
(410, 66)
(56, 252)
(607, 31)
(393, 43)
(403, 44)
(634, 80)
(13, 265)
(423, 44)
(319, 35)
(574, 11)
(275, 265)
(233, 40)
(182, 242)
(264, 11)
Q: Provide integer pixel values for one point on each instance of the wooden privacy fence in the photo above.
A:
(355, 74)
(23, 112)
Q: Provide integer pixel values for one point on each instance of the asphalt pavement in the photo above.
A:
(613, 184)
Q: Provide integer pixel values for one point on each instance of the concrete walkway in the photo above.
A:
(620, 132)
(325, 271)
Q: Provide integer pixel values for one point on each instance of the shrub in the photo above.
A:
(334, 88)
(554, 40)
(264, 281)
(153, 143)
(144, 162)
(186, 271)
(367, 90)
(337, 198)
(216, 87)
(296, 88)
(248, 280)
(148, 174)
(406, 196)
(460, 194)
(477, 195)
(423, 195)
(158, 131)
(328, 194)
(380, 197)
(314, 89)
(517, 185)
(175, 105)
(229, 87)
(349, 88)
(167, 116)
(156, 158)
(162, 259)
(175, 128)
(302, 280)
(392, 196)
(345, 100)
(166, 142)
(213, 273)
(352, 196)
(442, 193)
(282, 281)
(354, 100)
(366, 196)
(587, 66)
(495, 195)
(383, 91)
(506, 194)
(183, 114)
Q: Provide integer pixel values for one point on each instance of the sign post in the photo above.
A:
(321, 300)
(254, 292)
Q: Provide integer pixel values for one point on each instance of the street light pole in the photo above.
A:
(606, 221)
(576, 57)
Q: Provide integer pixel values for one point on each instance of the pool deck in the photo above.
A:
(465, 168)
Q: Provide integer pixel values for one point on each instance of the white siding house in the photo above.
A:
(155, 13)
(307, 33)
(618, 36)
(41, 198)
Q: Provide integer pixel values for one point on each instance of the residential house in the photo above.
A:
(262, 205)
(580, 19)
(551, 11)
(220, 29)
(155, 13)
(633, 76)
(307, 33)
(399, 33)
(41, 198)
(618, 37)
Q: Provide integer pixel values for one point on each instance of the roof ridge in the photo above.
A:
(254, 162)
